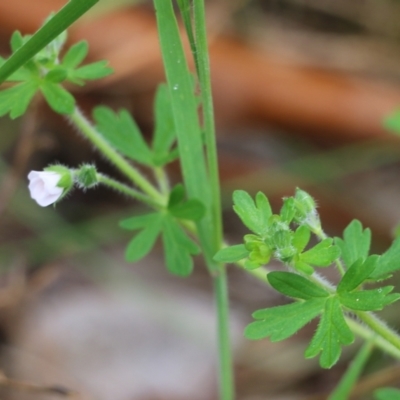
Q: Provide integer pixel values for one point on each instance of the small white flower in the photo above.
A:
(43, 187)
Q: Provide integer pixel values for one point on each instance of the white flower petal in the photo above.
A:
(43, 187)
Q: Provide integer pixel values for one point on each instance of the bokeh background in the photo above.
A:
(301, 90)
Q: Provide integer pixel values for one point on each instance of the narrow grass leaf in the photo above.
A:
(349, 379)
(186, 121)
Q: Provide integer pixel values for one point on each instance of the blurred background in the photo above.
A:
(301, 89)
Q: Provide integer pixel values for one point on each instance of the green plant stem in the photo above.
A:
(203, 64)
(89, 131)
(125, 189)
(380, 328)
(162, 180)
(226, 386)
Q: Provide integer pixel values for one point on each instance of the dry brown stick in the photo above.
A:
(34, 388)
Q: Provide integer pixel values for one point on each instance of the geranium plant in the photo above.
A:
(187, 216)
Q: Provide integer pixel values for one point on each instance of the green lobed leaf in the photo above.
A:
(301, 238)
(264, 208)
(176, 195)
(178, 248)
(295, 286)
(121, 131)
(56, 75)
(96, 70)
(322, 254)
(232, 254)
(281, 322)
(58, 98)
(164, 133)
(16, 41)
(388, 262)
(358, 272)
(75, 55)
(144, 241)
(331, 334)
(16, 99)
(138, 221)
(251, 216)
(355, 243)
(369, 300)
(303, 267)
(387, 393)
(288, 210)
(191, 209)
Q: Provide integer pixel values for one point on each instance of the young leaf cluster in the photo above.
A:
(282, 236)
(46, 72)
(274, 237)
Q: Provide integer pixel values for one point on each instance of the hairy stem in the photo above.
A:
(90, 132)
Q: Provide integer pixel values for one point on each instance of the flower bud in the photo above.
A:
(306, 211)
(86, 176)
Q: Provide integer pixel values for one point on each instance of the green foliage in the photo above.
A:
(388, 262)
(349, 379)
(281, 322)
(355, 243)
(178, 247)
(121, 131)
(49, 32)
(274, 236)
(332, 332)
(295, 286)
(44, 72)
(387, 394)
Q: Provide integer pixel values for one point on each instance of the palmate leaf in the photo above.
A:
(144, 241)
(121, 131)
(388, 263)
(358, 272)
(355, 243)
(178, 248)
(369, 300)
(295, 286)
(164, 134)
(255, 215)
(58, 98)
(180, 208)
(16, 99)
(322, 255)
(281, 322)
(232, 254)
(332, 333)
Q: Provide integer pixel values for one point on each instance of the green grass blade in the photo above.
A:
(186, 120)
(59, 23)
(343, 389)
